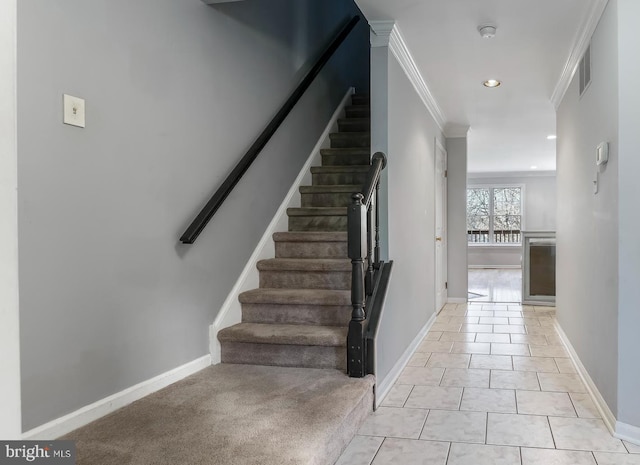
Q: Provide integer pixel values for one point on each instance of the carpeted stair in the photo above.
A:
(299, 315)
(267, 403)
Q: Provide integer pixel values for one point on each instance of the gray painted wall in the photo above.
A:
(9, 311)
(629, 222)
(539, 215)
(410, 300)
(380, 134)
(175, 93)
(587, 224)
(457, 275)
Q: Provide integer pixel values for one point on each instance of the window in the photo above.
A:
(494, 215)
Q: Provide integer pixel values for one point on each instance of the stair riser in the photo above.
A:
(345, 160)
(349, 141)
(358, 111)
(306, 279)
(324, 315)
(360, 99)
(311, 250)
(318, 223)
(334, 199)
(333, 179)
(354, 126)
(284, 355)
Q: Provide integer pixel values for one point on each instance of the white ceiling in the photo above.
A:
(509, 125)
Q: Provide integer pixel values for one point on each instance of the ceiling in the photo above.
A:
(534, 42)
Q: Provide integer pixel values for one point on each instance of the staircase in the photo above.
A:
(299, 315)
(297, 408)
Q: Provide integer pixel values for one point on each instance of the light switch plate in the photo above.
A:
(73, 110)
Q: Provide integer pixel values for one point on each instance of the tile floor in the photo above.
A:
(490, 385)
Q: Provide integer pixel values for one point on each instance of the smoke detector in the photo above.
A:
(487, 31)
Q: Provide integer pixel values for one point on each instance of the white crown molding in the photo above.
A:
(387, 34)
(380, 33)
(399, 48)
(580, 44)
(456, 130)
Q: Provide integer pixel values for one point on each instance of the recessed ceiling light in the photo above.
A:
(492, 83)
(552, 137)
(534, 167)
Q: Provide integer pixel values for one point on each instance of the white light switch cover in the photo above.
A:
(73, 110)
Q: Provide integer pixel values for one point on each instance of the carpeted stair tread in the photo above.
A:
(310, 244)
(350, 125)
(349, 135)
(339, 168)
(234, 414)
(357, 111)
(342, 188)
(296, 296)
(317, 211)
(354, 120)
(335, 173)
(317, 218)
(350, 139)
(310, 236)
(346, 151)
(360, 99)
(304, 264)
(299, 335)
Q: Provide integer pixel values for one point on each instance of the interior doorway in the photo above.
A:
(495, 221)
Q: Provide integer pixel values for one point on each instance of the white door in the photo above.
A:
(440, 225)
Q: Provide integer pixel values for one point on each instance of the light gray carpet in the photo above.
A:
(236, 415)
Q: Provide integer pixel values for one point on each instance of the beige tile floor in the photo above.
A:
(490, 385)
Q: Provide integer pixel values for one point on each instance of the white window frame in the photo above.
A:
(522, 214)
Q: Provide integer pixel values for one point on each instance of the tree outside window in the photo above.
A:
(494, 215)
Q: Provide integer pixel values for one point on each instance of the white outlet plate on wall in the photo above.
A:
(73, 110)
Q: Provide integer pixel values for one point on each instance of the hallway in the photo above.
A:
(491, 384)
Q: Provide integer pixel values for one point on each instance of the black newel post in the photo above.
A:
(356, 230)
(368, 280)
(377, 246)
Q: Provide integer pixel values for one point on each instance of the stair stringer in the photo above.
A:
(231, 311)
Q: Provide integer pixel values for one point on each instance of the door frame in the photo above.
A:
(440, 156)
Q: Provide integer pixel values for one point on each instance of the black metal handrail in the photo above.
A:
(364, 244)
(201, 220)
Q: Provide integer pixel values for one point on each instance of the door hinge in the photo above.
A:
(445, 173)
(446, 285)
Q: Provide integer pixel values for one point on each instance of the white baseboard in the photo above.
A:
(231, 311)
(384, 386)
(81, 417)
(494, 267)
(457, 300)
(627, 432)
(539, 303)
(601, 405)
